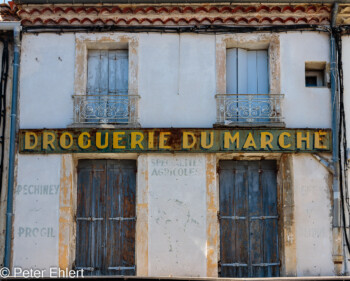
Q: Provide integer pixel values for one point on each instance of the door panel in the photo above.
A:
(106, 196)
(248, 219)
(121, 217)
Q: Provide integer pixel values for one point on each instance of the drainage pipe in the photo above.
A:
(335, 120)
(16, 28)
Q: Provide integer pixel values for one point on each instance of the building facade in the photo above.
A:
(177, 139)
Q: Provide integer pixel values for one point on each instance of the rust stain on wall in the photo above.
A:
(212, 223)
(142, 217)
(66, 212)
(287, 225)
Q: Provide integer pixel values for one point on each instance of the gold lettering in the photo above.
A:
(99, 140)
(135, 141)
(281, 139)
(163, 137)
(204, 140)
(27, 142)
(81, 140)
(185, 138)
(63, 140)
(48, 142)
(319, 140)
(300, 139)
(116, 138)
(249, 141)
(228, 138)
(151, 140)
(264, 141)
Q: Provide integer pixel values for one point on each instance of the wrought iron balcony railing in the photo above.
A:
(106, 109)
(249, 109)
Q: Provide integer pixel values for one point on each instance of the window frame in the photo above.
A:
(269, 42)
(110, 41)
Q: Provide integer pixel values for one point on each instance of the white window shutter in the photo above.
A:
(247, 71)
(93, 77)
(242, 71)
(231, 71)
(107, 72)
(122, 71)
(263, 72)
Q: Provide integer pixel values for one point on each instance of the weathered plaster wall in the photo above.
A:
(304, 106)
(36, 210)
(177, 78)
(177, 215)
(313, 217)
(46, 81)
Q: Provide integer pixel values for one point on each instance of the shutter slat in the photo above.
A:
(242, 71)
(263, 72)
(252, 72)
(104, 75)
(93, 68)
(112, 72)
(231, 71)
(122, 66)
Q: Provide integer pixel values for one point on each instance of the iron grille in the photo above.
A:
(250, 109)
(106, 109)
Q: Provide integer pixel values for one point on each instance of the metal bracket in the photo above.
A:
(89, 219)
(325, 162)
(122, 219)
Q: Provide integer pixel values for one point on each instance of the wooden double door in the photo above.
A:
(106, 217)
(248, 219)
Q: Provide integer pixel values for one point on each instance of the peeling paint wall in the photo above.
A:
(177, 215)
(36, 211)
(302, 105)
(179, 73)
(313, 217)
(46, 81)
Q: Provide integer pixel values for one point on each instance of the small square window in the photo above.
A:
(315, 74)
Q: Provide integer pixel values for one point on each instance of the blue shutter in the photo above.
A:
(106, 217)
(248, 219)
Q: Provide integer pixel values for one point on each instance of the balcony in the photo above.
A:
(249, 110)
(106, 110)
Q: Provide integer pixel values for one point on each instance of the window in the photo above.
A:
(315, 74)
(107, 86)
(107, 72)
(247, 71)
(107, 99)
(247, 98)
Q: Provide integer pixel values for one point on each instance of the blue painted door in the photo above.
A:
(248, 219)
(106, 216)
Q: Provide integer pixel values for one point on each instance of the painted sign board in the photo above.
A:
(94, 140)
